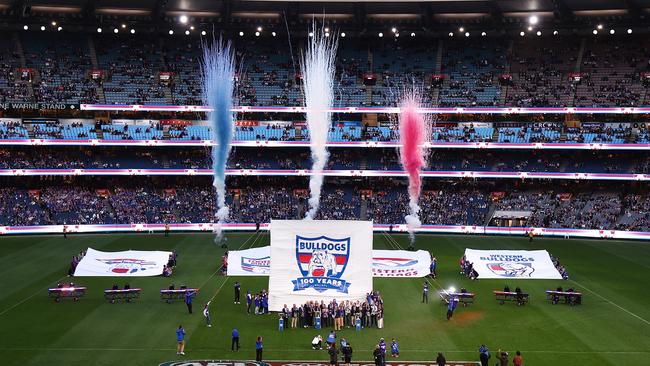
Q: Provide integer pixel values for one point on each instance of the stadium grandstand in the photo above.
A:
(535, 137)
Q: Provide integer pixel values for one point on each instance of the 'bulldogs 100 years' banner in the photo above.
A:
(129, 263)
(513, 264)
(319, 260)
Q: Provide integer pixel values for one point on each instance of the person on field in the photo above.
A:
(502, 356)
(206, 315)
(441, 360)
(394, 348)
(237, 288)
(425, 292)
(259, 346)
(331, 339)
(180, 338)
(317, 342)
(189, 296)
(235, 340)
(453, 302)
(249, 301)
(484, 355)
(376, 354)
(517, 360)
(334, 355)
(347, 354)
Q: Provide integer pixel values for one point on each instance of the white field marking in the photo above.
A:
(217, 271)
(256, 236)
(25, 299)
(611, 302)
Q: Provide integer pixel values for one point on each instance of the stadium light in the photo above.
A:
(259, 29)
(191, 27)
(327, 29)
(522, 33)
(257, 34)
(132, 31)
(116, 30)
(595, 31)
(327, 34)
(539, 33)
(241, 34)
(611, 31)
(203, 33)
(412, 34)
(99, 30)
(273, 34)
(466, 34)
(311, 34)
(629, 31)
(600, 27)
(54, 24)
(483, 34)
(183, 19)
(171, 32)
(394, 30)
(530, 29)
(451, 34)
(123, 26)
(555, 33)
(380, 34)
(533, 19)
(25, 27)
(187, 33)
(343, 35)
(59, 29)
(461, 29)
(42, 27)
(396, 35)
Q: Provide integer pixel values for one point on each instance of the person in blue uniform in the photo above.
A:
(394, 348)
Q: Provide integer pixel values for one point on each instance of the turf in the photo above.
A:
(611, 327)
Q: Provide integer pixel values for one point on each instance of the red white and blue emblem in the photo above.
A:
(322, 261)
(511, 269)
(127, 265)
(256, 265)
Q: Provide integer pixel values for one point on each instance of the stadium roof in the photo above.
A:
(366, 14)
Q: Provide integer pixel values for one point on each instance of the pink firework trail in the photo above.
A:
(413, 129)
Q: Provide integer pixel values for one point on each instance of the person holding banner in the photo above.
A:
(189, 295)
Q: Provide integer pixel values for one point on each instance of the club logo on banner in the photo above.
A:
(127, 265)
(322, 261)
(512, 264)
(256, 265)
(507, 269)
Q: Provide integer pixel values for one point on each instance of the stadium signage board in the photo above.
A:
(303, 363)
(212, 363)
(37, 106)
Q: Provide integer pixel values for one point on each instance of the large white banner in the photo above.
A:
(319, 260)
(400, 263)
(512, 264)
(129, 263)
(385, 263)
(250, 262)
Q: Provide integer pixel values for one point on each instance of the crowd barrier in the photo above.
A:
(356, 144)
(328, 173)
(397, 228)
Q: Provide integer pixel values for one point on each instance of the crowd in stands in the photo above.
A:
(523, 132)
(386, 159)
(337, 315)
(604, 206)
(476, 72)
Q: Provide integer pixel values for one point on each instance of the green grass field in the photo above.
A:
(610, 328)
